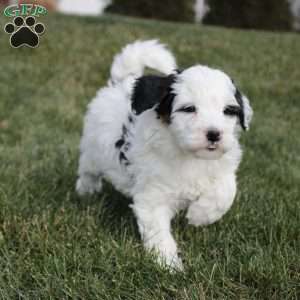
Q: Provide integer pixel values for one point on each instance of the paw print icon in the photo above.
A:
(24, 32)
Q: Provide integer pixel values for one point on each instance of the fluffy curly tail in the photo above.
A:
(140, 54)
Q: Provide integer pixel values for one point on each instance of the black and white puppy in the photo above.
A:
(170, 142)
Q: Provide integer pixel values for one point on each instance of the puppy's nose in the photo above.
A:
(213, 135)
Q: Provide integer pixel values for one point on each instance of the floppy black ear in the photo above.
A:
(166, 99)
(246, 111)
(153, 91)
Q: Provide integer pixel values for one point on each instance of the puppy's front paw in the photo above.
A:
(202, 214)
(197, 219)
(171, 262)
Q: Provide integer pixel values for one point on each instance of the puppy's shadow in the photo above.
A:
(113, 211)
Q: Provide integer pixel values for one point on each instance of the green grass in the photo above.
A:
(56, 246)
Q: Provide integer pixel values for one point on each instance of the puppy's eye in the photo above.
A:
(187, 109)
(232, 110)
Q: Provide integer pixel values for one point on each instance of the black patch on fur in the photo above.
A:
(123, 159)
(124, 145)
(239, 98)
(119, 143)
(151, 91)
(130, 119)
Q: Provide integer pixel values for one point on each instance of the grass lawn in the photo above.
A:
(55, 246)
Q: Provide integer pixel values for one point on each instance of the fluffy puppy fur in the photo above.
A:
(170, 142)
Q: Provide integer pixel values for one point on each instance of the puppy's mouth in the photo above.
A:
(212, 147)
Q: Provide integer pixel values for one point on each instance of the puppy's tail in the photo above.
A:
(140, 54)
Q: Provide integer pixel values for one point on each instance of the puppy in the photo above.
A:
(170, 142)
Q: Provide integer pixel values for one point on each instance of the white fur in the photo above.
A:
(171, 167)
(83, 8)
(201, 10)
(136, 56)
(295, 10)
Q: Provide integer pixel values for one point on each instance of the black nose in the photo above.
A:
(213, 135)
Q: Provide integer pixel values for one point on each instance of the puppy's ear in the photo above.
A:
(246, 112)
(166, 99)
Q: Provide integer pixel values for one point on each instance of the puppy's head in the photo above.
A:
(204, 111)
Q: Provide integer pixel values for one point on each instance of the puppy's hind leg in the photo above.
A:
(89, 174)
(88, 184)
